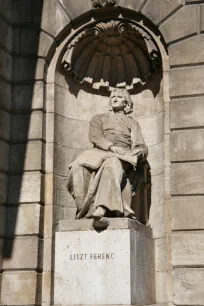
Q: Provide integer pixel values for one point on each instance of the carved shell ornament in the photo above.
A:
(112, 54)
(103, 3)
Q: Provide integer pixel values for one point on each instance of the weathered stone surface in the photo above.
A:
(70, 131)
(186, 81)
(153, 105)
(18, 260)
(62, 197)
(188, 249)
(176, 26)
(26, 219)
(26, 188)
(58, 215)
(185, 113)
(167, 171)
(156, 158)
(1, 256)
(50, 17)
(157, 10)
(161, 279)
(83, 107)
(48, 222)
(152, 129)
(5, 89)
(121, 245)
(166, 114)
(3, 188)
(160, 255)
(167, 162)
(5, 8)
(188, 286)
(27, 127)
(187, 178)
(6, 35)
(16, 39)
(202, 17)
(69, 213)
(64, 157)
(75, 9)
(6, 65)
(187, 213)
(23, 284)
(114, 224)
(157, 221)
(35, 42)
(4, 153)
(27, 97)
(4, 125)
(26, 157)
(157, 196)
(62, 19)
(131, 4)
(187, 145)
(32, 69)
(20, 12)
(50, 127)
(190, 51)
(2, 225)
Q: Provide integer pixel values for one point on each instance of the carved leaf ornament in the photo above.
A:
(112, 54)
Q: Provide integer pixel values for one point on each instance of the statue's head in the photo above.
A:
(120, 100)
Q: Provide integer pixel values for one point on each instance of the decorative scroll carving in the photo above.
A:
(103, 3)
(112, 54)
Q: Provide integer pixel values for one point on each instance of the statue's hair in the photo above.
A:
(129, 104)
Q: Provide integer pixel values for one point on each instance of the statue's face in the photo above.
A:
(118, 101)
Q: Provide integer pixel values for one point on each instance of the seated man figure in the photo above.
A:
(100, 180)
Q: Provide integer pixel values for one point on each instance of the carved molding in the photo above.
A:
(112, 54)
(103, 3)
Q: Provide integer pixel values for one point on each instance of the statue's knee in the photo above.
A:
(113, 161)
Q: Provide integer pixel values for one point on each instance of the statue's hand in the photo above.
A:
(117, 150)
(140, 153)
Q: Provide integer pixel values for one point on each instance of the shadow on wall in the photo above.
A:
(24, 66)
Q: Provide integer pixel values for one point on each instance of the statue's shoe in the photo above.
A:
(99, 212)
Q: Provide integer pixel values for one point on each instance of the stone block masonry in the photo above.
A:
(186, 156)
(22, 115)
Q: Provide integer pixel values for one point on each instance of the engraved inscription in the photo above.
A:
(92, 256)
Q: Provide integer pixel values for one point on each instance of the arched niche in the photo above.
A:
(71, 105)
(79, 96)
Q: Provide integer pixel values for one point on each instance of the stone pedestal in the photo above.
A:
(114, 266)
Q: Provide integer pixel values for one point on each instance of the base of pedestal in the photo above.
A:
(110, 267)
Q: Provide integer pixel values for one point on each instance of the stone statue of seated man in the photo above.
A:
(101, 180)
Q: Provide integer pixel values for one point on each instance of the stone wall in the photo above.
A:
(24, 49)
(22, 117)
(6, 47)
(27, 107)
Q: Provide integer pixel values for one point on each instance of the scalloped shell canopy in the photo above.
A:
(112, 54)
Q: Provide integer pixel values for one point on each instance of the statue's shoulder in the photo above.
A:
(132, 120)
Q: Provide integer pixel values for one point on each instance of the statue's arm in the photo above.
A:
(138, 143)
(96, 135)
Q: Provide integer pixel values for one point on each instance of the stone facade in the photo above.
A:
(42, 116)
